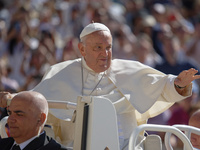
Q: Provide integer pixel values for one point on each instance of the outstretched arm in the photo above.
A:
(184, 79)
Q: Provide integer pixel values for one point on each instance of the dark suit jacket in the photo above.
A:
(42, 142)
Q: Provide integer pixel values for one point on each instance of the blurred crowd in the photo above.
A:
(35, 34)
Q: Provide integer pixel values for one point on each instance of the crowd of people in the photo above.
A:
(36, 34)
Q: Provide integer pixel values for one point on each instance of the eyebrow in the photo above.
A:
(102, 44)
(16, 111)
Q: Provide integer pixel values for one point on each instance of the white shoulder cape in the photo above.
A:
(149, 91)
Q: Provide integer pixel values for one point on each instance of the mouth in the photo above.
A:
(12, 127)
(103, 59)
(195, 145)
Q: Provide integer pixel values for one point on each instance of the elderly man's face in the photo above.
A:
(195, 139)
(97, 50)
(23, 120)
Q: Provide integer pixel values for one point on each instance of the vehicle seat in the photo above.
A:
(149, 142)
(61, 129)
(153, 142)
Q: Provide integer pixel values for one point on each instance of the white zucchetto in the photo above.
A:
(93, 27)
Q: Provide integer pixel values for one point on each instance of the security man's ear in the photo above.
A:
(81, 48)
(42, 118)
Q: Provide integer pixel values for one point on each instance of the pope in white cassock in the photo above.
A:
(136, 90)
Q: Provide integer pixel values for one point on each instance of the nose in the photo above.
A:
(105, 53)
(11, 119)
(193, 139)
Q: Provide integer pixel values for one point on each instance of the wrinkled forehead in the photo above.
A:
(98, 36)
(19, 102)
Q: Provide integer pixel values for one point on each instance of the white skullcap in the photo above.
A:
(93, 27)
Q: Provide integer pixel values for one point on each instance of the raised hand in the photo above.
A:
(186, 77)
(4, 97)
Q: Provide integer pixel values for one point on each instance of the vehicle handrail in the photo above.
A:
(161, 128)
(61, 104)
(187, 131)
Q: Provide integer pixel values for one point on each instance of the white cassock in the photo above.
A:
(136, 90)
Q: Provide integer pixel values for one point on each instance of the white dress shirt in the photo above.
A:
(24, 144)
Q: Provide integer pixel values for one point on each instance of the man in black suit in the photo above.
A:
(27, 116)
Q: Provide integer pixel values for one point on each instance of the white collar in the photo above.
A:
(85, 65)
(24, 144)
